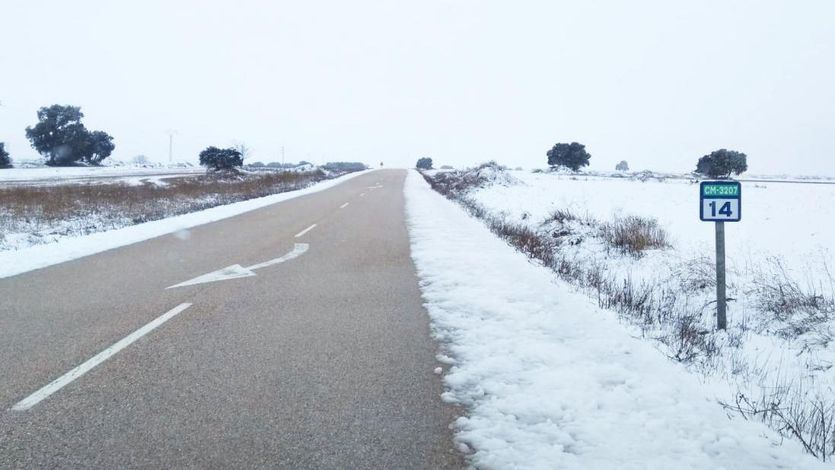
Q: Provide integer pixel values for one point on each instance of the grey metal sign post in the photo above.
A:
(720, 202)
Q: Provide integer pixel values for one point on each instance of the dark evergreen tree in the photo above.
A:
(5, 161)
(62, 139)
(573, 156)
(99, 146)
(722, 163)
(424, 163)
(215, 158)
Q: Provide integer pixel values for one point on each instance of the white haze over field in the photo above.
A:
(658, 83)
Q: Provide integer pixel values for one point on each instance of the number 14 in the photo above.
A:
(724, 210)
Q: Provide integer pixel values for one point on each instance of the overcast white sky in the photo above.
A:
(658, 83)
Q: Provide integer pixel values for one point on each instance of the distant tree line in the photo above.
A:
(720, 163)
(62, 139)
(345, 166)
(279, 165)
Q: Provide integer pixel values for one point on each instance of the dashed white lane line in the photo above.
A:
(305, 230)
(67, 378)
(362, 195)
(343, 206)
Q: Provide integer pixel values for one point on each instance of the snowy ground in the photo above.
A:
(130, 174)
(794, 221)
(551, 381)
(786, 240)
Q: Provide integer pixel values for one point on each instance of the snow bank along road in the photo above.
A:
(314, 352)
(550, 381)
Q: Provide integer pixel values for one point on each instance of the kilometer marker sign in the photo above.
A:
(720, 201)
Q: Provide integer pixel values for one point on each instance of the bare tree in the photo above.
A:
(243, 149)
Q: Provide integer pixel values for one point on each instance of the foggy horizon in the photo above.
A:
(654, 83)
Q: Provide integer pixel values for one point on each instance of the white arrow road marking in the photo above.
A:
(237, 271)
(65, 379)
(297, 251)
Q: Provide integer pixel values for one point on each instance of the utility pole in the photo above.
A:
(282, 155)
(171, 133)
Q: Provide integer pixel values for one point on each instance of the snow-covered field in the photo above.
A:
(129, 174)
(794, 221)
(785, 241)
(548, 379)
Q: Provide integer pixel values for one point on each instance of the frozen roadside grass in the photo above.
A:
(34, 215)
(795, 311)
(550, 380)
(634, 235)
(629, 266)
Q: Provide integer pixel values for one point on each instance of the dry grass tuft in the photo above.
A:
(633, 234)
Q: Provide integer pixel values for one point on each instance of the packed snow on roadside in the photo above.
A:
(68, 248)
(774, 363)
(548, 380)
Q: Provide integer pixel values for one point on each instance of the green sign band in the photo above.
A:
(720, 190)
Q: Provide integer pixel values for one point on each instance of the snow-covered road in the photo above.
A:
(551, 381)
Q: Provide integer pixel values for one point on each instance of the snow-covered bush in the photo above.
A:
(457, 183)
(218, 159)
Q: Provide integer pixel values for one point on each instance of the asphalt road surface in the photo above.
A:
(322, 360)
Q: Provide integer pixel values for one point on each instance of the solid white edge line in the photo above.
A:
(85, 367)
(305, 230)
(343, 206)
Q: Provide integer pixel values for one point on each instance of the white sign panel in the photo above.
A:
(720, 210)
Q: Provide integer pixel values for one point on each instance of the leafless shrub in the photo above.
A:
(524, 239)
(696, 274)
(788, 410)
(455, 184)
(690, 339)
(561, 216)
(795, 309)
(634, 234)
